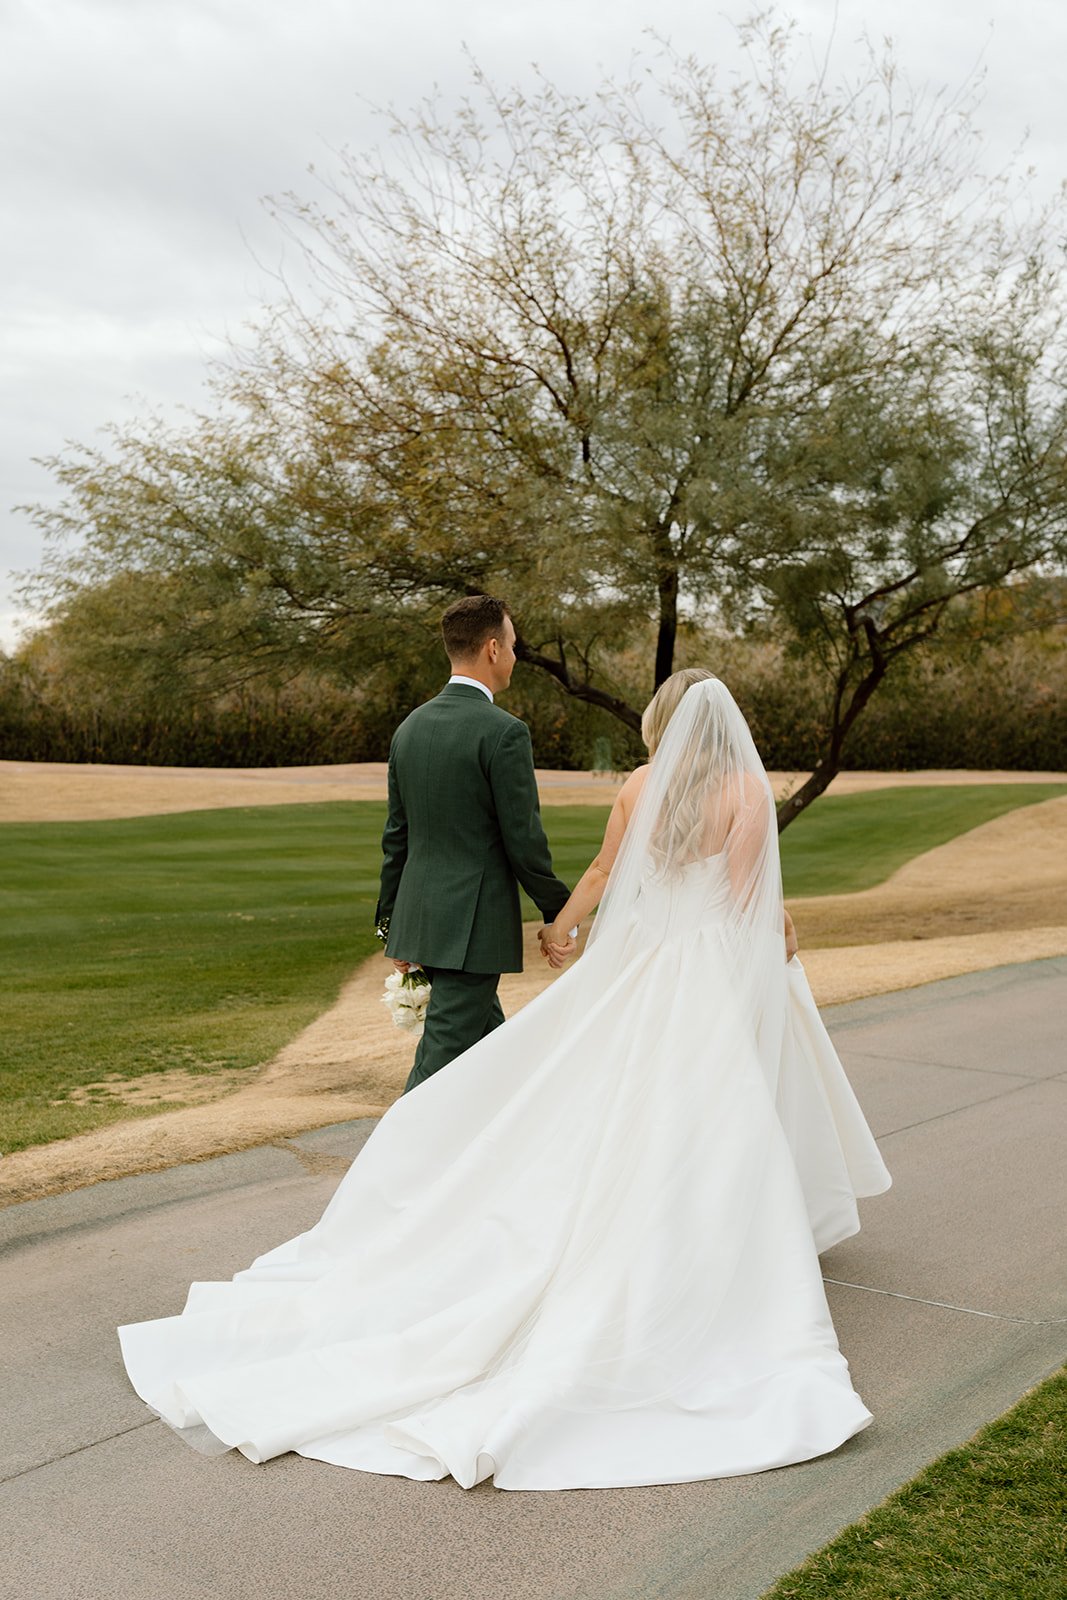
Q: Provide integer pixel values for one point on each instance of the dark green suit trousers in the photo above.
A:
(464, 1007)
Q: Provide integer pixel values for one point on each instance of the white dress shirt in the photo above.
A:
(473, 683)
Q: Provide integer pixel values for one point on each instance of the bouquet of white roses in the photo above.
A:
(407, 994)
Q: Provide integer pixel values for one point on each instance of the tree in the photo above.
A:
(948, 493)
(766, 361)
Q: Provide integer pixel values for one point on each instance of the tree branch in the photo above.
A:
(579, 689)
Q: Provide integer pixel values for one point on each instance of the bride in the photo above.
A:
(585, 1254)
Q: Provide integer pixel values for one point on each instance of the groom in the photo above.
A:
(464, 824)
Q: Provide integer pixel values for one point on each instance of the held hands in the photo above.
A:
(791, 945)
(557, 945)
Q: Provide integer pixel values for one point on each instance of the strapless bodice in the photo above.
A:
(679, 902)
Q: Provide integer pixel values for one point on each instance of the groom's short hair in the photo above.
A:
(469, 622)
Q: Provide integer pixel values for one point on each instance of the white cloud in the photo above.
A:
(136, 141)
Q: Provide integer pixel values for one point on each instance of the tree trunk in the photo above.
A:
(827, 769)
(821, 778)
(668, 625)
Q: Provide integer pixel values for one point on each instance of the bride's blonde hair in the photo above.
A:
(665, 702)
(705, 791)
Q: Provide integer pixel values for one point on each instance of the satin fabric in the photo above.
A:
(582, 1255)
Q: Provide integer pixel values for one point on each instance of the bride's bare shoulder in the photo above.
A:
(632, 787)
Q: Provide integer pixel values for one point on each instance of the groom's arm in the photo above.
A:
(394, 848)
(518, 810)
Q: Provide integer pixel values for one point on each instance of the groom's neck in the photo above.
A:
(475, 671)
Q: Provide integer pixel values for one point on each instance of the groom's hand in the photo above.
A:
(401, 966)
(557, 949)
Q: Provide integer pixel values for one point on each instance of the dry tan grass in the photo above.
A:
(1003, 878)
(44, 791)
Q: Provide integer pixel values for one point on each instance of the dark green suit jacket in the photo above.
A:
(464, 824)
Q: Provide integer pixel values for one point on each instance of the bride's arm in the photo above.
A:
(586, 894)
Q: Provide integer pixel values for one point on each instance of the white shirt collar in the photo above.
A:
(472, 683)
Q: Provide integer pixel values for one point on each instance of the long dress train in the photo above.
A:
(584, 1254)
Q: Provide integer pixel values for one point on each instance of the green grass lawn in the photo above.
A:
(985, 1522)
(854, 841)
(205, 940)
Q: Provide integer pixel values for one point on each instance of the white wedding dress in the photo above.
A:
(585, 1253)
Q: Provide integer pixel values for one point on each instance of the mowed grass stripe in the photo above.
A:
(205, 940)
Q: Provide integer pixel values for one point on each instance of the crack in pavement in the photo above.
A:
(78, 1450)
(947, 1305)
(955, 1111)
(897, 1059)
(841, 1283)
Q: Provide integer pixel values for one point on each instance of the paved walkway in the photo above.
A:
(949, 1304)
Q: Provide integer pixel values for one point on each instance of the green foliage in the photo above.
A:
(44, 717)
(983, 1522)
(1002, 708)
(62, 715)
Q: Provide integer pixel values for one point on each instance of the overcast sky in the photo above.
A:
(137, 138)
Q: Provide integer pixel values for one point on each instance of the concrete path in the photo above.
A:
(949, 1304)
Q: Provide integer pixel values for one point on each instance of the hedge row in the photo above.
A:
(1007, 709)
